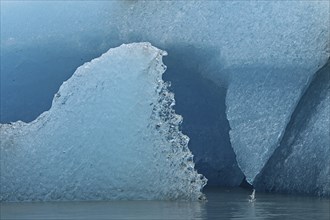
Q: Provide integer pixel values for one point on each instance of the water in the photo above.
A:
(221, 204)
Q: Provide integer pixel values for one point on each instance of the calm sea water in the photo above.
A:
(221, 204)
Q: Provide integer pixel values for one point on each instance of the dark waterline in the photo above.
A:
(222, 204)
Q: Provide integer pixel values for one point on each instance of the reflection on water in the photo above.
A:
(234, 204)
(221, 204)
(104, 210)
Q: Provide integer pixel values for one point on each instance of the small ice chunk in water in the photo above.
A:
(252, 197)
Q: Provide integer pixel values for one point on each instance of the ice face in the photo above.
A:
(111, 133)
(260, 102)
(301, 162)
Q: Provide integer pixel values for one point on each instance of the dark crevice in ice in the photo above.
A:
(202, 104)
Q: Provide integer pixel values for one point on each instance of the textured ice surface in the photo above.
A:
(264, 53)
(276, 33)
(111, 133)
(260, 101)
(301, 164)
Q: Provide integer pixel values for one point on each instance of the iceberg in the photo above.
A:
(238, 68)
(301, 163)
(111, 133)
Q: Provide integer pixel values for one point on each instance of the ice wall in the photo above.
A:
(263, 53)
(236, 33)
(301, 162)
(111, 133)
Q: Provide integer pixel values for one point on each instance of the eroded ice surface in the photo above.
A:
(111, 133)
(301, 164)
